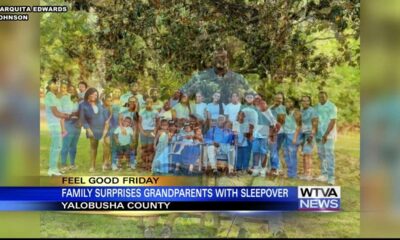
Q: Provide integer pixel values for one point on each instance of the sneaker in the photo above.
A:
(263, 172)
(133, 166)
(73, 167)
(256, 173)
(308, 178)
(64, 169)
(322, 178)
(114, 167)
(274, 172)
(54, 173)
(166, 232)
(149, 232)
(92, 170)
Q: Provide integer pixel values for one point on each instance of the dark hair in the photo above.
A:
(323, 92)
(74, 97)
(53, 80)
(309, 98)
(164, 121)
(282, 94)
(89, 92)
(84, 83)
(295, 102)
(128, 118)
(188, 102)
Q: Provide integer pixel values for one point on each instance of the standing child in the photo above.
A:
(233, 108)
(292, 129)
(147, 124)
(123, 137)
(309, 128)
(160, 162)
(185, 150)
(243, 131)
(214, 109)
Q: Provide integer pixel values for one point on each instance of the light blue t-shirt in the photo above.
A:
(290, 123)
(51, 100)
(307, 115)
(148, 119)
(201, 110)
(251, 115)
(213, 109)
(182, 111)
(281, 109)
(124, 139)
(265, 121)
(67, 105)
(326, 113)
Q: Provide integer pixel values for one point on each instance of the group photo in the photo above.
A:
(223, 93)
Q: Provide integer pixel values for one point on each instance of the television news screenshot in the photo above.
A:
(199, 119)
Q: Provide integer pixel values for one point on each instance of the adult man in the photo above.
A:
(278, 110)
(217, 79)
(326, 136)
(133, 91)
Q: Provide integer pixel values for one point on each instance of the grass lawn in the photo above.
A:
(342, 224)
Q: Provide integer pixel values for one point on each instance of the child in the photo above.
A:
(229, 148)
(232, 109)
(173, 139)
(182, 110)
(214, 109)
(243, 130)
(201, 110)
(197, 140)
(123, 138)
(266, 122)
(160, 162)
(147, 126)
(185, 150)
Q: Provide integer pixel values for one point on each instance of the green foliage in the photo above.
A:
(301, 45)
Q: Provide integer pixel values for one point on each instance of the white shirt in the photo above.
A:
(232, 111)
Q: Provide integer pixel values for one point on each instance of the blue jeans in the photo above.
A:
(55, 146)
(114, 154)
(275, 147)
(291, 155)
(326, 154)
(243, 157)
(70, 143)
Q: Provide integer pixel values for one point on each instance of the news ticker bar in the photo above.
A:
(182, 198)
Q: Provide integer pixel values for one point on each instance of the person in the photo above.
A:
(229, 148)
(218, 78)
(232, 109)
(200, 112)
(182, 110)
(185, 138)
(132, 111)
(175, 98)
(326, 137)
(292, 129)
(82, 87)
(147, 126)
(309, 126)
(166, 112)
(53, 116)
(155, 95)
(160, 165)
(244, 134)
(133, 91)
(279, 112)
(116, 108)
(107, 100)
(214, 109)
(218, 141)
(266, 121)
(70, 105)
(93, 117)
(123, 137)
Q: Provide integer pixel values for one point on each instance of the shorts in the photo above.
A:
(145, 140)
(123, 150)
(260, 146)
(307, 147)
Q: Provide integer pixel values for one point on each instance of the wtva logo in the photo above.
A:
(319, 198)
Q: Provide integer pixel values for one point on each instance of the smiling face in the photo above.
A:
(93, 97)
(216, 97)
(289, 103)
(132, 103)
(127, 122)
(323, 97)
(71, 90)
(199, 97)
(305, 102)
(221, 61)
(134, 88)
(53, 87)
(116, 93)
(235, 98)
(249, 99)
(82, 87)
(107, 101)
(64, 89)
(184, 98)
(278, 100)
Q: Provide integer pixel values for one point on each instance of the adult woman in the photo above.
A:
(54, 116)
(94, 119)
(292, 130)
(182, 110)
(69, 105)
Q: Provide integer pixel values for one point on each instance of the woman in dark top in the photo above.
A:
(94, 118)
